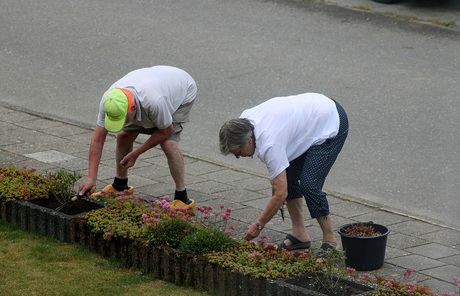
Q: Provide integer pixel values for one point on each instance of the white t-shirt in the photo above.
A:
(158, 91)
(286, 127)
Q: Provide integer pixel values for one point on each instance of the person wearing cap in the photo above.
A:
(298, 138)
(155, 101)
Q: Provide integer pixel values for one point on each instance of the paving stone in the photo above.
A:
(254, 183)
(70, 132)
(452, 260)
(74, 164)
(382, 217)
(6, 127)
(415, 227)
(153, 172)
(444, 273)
(447, 237)
(200, 168)
(226, 175)
(434, 251)
(354, 209)
(210, 187)
(394, 253)
(239, 195)
(415, 262)
(50, 156)
(8, 158)
(138, 181)
(42, 123)
(16, 117)
(438, 286)
(403, 241)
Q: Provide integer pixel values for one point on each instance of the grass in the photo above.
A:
(34, 265)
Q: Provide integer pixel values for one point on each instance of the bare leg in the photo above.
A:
(124, 146)
(175, 162)
(327, 227)
(299, 230)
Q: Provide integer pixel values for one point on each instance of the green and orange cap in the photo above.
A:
(117, 104)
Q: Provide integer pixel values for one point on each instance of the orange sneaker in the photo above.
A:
(110, 189)
(189, 208)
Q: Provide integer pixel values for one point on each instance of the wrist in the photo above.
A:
(259, 225)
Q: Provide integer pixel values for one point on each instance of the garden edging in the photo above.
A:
(163, 262)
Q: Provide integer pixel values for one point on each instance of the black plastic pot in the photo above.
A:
(364, 253)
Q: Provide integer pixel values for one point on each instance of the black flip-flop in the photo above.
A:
(296, 244)
(324, 250)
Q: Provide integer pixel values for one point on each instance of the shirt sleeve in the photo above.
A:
(101, 114)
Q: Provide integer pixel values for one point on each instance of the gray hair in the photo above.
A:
(234, 134)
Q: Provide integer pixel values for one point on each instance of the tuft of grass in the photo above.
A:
(31, 264)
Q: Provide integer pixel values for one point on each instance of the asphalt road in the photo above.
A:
(398, 80)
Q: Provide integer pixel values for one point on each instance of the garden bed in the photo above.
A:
(163, 262)
(39, 215)
(194, 271)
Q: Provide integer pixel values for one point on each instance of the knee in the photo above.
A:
(170, 149)
(125, 138)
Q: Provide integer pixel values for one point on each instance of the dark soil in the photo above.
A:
(336, 286)
(361, 230)
(79, 206)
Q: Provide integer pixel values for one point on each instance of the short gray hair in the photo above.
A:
(234, 134)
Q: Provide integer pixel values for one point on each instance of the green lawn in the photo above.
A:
(31, 264)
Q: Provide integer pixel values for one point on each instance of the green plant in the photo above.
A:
(130, 217)
(204, 240)
(265, 261)
(393, 286)
(328, 271)
(23, 183)
(61, 184)
(170, 232)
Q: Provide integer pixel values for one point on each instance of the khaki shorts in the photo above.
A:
(180, 116)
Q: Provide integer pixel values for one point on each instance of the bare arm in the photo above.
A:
(158, 137)
(95, 154)
(279, 194)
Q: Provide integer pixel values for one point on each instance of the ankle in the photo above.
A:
(120, 184)
(182, 196)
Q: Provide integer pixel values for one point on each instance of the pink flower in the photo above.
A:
(185, 231)
(166, 197)
(108, 234)
(364, 276)
(350, 270)
(388, 284)
(407, 273)
(225, 218)
(232, 227)
(221, 206)
(211, 234)
(254, 254)
(410, 286)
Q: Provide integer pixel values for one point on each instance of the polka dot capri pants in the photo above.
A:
(307, 173)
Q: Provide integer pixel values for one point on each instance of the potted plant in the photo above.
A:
(364, 244)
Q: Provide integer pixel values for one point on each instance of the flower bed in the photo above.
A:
(172, 265)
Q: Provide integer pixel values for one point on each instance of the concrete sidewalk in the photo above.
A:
(432, 251)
